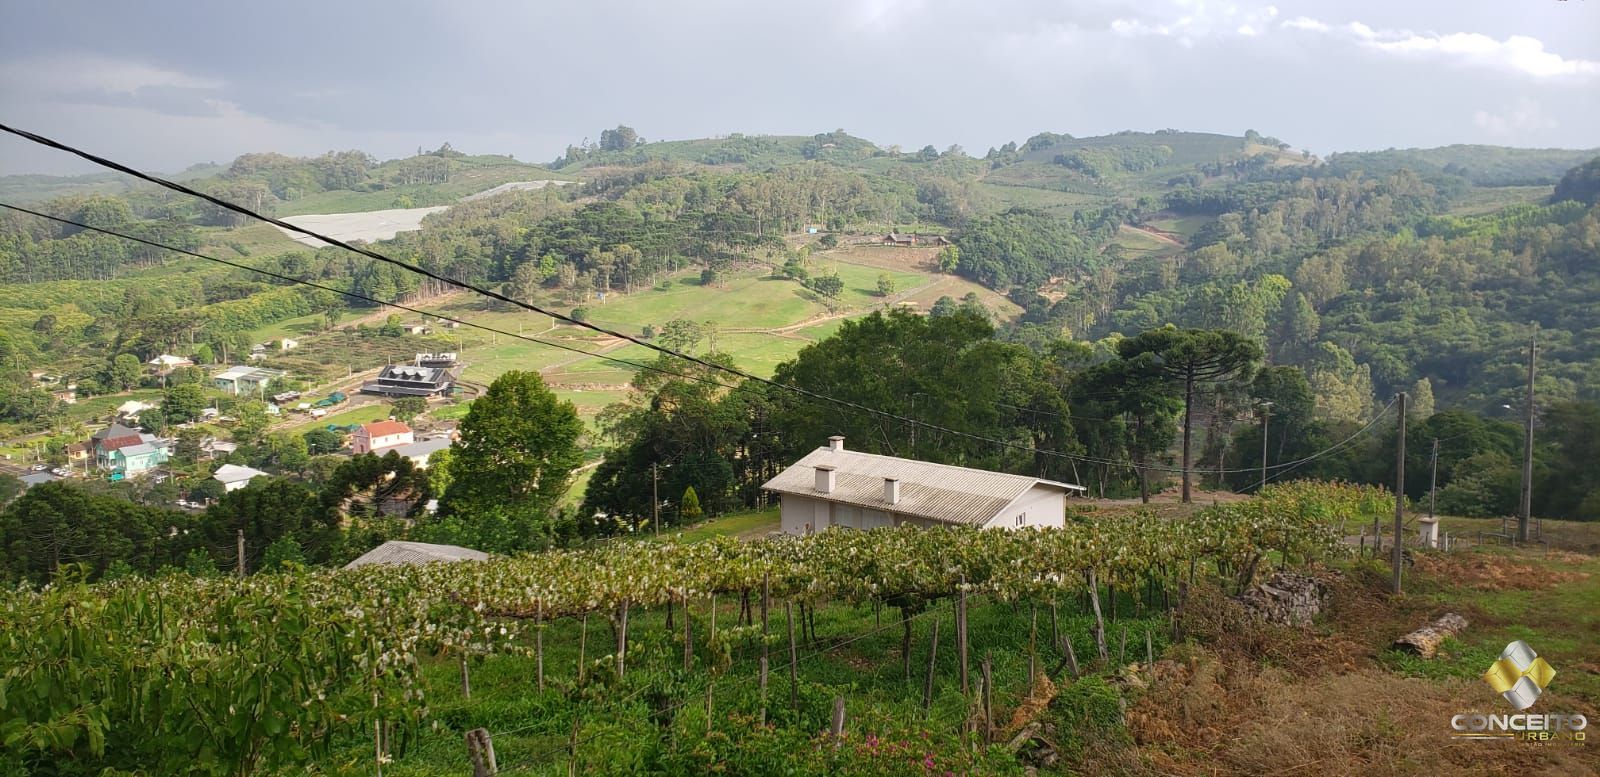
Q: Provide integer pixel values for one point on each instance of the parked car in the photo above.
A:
(61, 472)
(40, 467)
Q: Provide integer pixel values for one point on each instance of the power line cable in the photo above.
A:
(363, 251)
(362, 297)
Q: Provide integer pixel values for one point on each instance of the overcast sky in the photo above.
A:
(163, 84)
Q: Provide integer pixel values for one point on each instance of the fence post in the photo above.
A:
(794, 660)
(1149, 650)
(837, 729)
(466, 679)
(538, 639)
(933, 654)
(988, 701)
(763, 690)
(1072, 656)
(480, 749)
(961, 632)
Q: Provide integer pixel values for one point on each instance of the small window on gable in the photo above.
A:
(1022, 519)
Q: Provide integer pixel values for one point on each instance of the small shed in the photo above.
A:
(400, 552)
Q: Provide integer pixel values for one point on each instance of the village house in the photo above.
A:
(899, 239)
(104, 443)
(234, 477)
(166, 363)
(834, 487)
(245, 380)
(378, 435)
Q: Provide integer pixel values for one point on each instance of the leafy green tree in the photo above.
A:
(885, 284)
(949, 259)
(1581, 184)
(682, 335)
(830, 285)
(408, 408)
(519, 445)
(322, 441)
(943, 306)
(183, 403)
(124, 372)
(283, 550)
(689, 509)
(252, 420)
(1194, 358)
(199, 563)
(61, 522)
(269, 509)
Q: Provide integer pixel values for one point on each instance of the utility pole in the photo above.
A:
(1266, 413)
(1526, 508)
(1433, 477)
(1399, 491)
(655, 502)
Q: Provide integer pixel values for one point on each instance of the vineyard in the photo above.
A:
(271, 672)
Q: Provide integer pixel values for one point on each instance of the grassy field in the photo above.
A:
(470, 180)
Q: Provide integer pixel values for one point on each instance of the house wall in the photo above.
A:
(798, 514)
(361, 443)
(1038, 507)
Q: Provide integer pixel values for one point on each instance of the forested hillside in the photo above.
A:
(1351, 279)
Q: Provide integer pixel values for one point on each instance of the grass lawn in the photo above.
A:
(357, 415)
(1186, 226)
(749, 525)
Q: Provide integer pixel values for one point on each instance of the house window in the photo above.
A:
(1022, 519)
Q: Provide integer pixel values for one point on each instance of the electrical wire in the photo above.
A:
(367, 252)
(364, 298)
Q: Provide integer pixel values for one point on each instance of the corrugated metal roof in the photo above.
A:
(938, 492)
(229, 473)
(401, 552)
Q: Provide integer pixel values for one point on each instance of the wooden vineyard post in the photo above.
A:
(794, 661)
(1099, 621)
(837, 727)
(711, 634)
(622, 641)
(1033, 636)
(583, 639)
(710, 684)
(1149, 650)
(480, 749)
(1072, 657)
(1055, 633)
(766, 602)
(763, 690)
(933, 654)
(572, 749)
(961, 632)
(988, 701)
(466, 679)
(538, 640)
(1122, 647)
(688, 636)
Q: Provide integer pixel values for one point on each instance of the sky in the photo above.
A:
(163, 84)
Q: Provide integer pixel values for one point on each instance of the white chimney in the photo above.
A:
(824, 478)
(891, 490)
(836, 443)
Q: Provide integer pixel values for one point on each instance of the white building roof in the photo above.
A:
(937, 492)
(422, 447)
(133, 407)
(401, 552)
(247, 372)
(233, 473)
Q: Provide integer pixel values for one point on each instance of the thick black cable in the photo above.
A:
(362, 297)
(180, 188)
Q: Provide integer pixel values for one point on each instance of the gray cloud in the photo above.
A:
(167, 84)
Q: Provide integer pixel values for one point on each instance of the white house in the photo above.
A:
(234, 477)
(132, 408)
(246, 380)
(166, 363)
(379, 435)
(832, 486)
